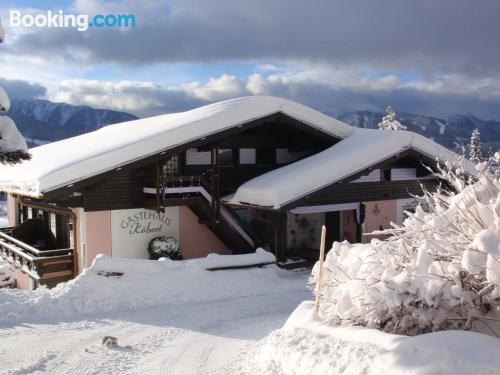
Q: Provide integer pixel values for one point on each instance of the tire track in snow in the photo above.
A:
(169, 366)
(203, 360)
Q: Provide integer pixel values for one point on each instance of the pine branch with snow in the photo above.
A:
(390, 122)
(439, 270)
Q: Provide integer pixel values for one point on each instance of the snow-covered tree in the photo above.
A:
(390, 122)
(476, 148)
(13, 147)
(439, 270)
(491, 153)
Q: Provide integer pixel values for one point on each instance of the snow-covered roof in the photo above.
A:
(65, 162)
(357, 152)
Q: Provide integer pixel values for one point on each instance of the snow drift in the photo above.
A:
(305, 345)
(129, 284)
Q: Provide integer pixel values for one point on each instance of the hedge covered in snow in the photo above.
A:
(439, 270)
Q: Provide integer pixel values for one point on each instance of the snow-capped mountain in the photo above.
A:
(42, 120)
(450, 133)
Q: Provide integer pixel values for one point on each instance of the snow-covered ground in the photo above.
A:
(178, 318)
(168, 317)
(305, 345)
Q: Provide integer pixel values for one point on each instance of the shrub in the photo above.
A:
(164, 247)
(439, 270)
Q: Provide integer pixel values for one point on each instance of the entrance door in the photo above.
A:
(332, 223)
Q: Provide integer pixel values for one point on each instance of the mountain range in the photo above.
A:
(42, 121)
(451, 133)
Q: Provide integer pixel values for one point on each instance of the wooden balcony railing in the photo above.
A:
(43, 266)
(183, 181)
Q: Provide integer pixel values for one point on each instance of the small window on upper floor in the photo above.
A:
(247, 156)
(195, 157)
(171, 166)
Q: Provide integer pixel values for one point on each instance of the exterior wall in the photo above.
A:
(379, 215)
(405, 205)
(98, 225)
(11, 210)
(23, 281)
(197, 240)
(304, 230)
(349, 226)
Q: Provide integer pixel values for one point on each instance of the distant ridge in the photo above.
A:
(42, 121)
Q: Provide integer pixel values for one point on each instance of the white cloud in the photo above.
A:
(226, 86)
(319, 87)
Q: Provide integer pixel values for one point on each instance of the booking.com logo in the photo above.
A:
(81, 22)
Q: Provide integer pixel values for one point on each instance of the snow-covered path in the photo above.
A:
(188, 338)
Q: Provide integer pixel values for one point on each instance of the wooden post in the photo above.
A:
(321, 260)
(158, 175)
(214, 183)
(217, 185)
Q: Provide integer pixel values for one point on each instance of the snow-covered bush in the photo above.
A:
(7, 275)
(164, 247)
(13, 147)
(439, 270)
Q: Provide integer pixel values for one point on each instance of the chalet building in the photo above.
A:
(224, 178)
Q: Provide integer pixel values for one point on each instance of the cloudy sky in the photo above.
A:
(436, 57)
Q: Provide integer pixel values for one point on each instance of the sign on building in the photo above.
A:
(131, 230)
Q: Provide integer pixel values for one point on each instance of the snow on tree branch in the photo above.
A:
(13, 147)
(389, 121)
(439, 270)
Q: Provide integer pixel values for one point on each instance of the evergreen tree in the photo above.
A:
(390, 122)
(491, 153)
(476, 152)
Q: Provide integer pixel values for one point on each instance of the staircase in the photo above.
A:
(224, 223)
(222, 229)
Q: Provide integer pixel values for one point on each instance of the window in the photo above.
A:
(247, 156)
(401, 174)
(171, 166)
(195, 157)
